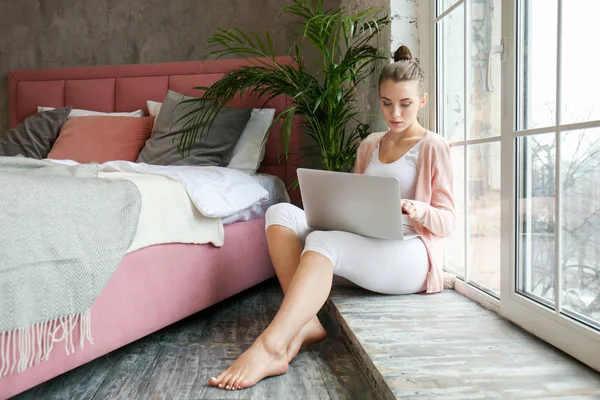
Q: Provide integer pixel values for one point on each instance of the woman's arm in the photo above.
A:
(359, 166)
(438, 217)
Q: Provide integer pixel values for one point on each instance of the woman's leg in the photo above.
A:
(382, 266)
(286, 234)
(267, 356)
(379, 265)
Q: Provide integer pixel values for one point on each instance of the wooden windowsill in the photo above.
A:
(447, 346)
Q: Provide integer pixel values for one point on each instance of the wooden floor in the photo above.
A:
(447, 346)
(410, 347)
(176, 362)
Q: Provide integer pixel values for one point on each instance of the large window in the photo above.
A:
(558, 179)
(469, 116)
(517, 97)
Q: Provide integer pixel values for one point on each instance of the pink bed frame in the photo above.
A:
(158, 285)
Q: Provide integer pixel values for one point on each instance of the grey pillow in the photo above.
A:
(215, 148)
(35, 136)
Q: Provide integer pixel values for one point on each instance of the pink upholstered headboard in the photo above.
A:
(128, 87)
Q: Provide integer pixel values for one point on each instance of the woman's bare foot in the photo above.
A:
(258, 362)
(311, 333)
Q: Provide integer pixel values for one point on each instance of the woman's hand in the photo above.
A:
(409, 208)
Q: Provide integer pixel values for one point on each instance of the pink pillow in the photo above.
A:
(100, 139)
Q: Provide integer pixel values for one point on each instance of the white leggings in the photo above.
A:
(378, 265)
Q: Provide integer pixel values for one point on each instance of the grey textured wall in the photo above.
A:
(66, 33)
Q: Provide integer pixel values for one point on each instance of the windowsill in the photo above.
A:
(447, 345)
(478, 296)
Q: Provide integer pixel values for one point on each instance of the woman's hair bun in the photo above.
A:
(403, 53)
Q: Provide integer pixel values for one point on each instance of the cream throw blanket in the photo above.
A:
(168, 214)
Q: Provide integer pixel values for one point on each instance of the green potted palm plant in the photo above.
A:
(326, 101)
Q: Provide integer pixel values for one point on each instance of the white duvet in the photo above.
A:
(183, 204)
(215, 191)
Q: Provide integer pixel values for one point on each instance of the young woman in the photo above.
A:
(305, 260)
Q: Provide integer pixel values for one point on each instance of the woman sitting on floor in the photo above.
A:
(305, 260)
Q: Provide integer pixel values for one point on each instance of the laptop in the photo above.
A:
(356, 203)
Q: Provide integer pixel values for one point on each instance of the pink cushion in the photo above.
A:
(101, 139)
(91, 94)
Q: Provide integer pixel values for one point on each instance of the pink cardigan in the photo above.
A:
(434, 200)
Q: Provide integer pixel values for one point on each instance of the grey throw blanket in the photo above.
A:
(63, 232)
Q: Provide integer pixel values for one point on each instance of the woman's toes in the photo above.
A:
(226, 382)
(218, 380)
(236, 383)
(223, 381)
(232, 380)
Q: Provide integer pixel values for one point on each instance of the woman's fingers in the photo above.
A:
(409, 208)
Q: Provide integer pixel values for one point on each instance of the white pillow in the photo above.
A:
(153, 107)
(250, 149)
(87, 113)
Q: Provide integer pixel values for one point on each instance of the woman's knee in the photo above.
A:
(321, 242)
(284, 214)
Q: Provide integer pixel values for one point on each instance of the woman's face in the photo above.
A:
(400, 103)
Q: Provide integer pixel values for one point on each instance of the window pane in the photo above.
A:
(443, 5)
(451, 76)
(580, 176)
(485, 79)
(580, 83)
(537, 63)
(455, 244)
(536, 217)
(484, 215)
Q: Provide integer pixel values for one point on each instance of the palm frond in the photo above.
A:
(326, 101)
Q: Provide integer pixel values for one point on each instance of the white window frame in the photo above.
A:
(569, 335)
(466, 287)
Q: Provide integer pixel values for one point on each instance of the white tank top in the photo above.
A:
(404, 169)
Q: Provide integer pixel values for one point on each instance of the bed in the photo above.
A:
(158, 285)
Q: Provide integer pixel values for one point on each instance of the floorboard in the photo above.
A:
(407, 347)
(176, 362)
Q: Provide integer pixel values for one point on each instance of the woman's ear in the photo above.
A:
(423, 100)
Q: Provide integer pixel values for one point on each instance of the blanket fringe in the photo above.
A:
(35, 342)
